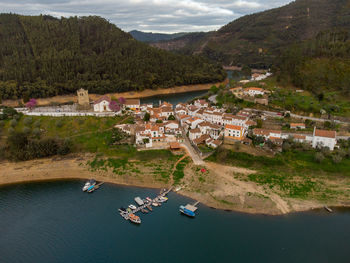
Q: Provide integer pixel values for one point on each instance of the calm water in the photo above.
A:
(174, 98)
(57, 222)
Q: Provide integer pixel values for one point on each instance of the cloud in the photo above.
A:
(147, 15)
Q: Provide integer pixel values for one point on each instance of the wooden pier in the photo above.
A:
(95, 187)
(125, 214)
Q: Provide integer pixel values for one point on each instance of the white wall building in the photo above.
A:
(323, 138)
(102, 104)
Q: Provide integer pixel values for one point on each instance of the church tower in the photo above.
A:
(83, 99)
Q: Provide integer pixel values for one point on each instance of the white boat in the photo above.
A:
(132, 207)
(88, 184)
(139, 201)
(162, 199)
(155, 204)
(148, 199)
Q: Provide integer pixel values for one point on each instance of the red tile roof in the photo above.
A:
(325, 133)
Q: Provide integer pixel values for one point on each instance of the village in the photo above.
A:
(199, 126)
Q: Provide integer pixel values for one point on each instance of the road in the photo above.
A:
(196, 158)
(299, 116)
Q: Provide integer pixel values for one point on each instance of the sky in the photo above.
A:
(166, 16)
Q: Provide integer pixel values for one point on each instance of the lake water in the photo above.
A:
(57, 222)
(174, 98)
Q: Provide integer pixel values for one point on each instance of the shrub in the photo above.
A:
(59, 123)
(26, 130)
(28, 121)
(337, 158)
(65, 147)
(17, 117)
(36, 132)
(13, 123)
(11, 130)
(37, 124)
(2, 124)
(319, 157)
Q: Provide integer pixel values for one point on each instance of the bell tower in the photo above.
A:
(83, 98)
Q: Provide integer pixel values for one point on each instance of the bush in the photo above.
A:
(28, 121)
(171, 118)
(2, 124)
(147, 116)
(26, 130)
(36, 132)
(17, 117)
(11, 130)
(13, 123)
(319, 157)
(337, 158)
(37, 124)
(65, 147)
(59, 123)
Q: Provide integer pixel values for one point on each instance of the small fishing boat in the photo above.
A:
(128, 210)
(155, 204)
(149, 208)
(148, 199)
(132, 207)
(145, 211)
(162, 199)
(178, 188)
(135, 219)
(90, 189)
(88, 184)
(328, 209)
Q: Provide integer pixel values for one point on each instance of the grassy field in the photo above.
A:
(294, 174)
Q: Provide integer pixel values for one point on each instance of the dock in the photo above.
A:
(193, 207)
(126, 214)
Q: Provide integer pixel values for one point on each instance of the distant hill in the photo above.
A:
(42, 56)
(259, 38)
(154, 37)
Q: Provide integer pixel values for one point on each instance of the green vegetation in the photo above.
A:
(320, 65)
(296, 172)
(179, 171)
(42, 56)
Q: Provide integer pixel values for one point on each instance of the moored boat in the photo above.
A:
(155, 204)
(148, 199)
(139, 201)
(88, 184)
(186, 211)
(132, 207)
(149, 208)
(328, 209)
(135, 219)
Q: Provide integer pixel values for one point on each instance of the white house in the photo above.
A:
(234, 132)
(267, 134)
(201, 103)
(324, 138)
(194, 134)
(193, 122)
(102, 104)
(253, 91)
(133, 104)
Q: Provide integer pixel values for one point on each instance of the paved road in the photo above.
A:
(197, 160)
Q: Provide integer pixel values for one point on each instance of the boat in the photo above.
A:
(148, 199)
(149, 208)
(328, 209)
(139, 201)
(90, 189)
(128, 210)
(186, 211)
(178, 188)
(162, 199)
(145, 211)
(88, 184)
(135, 219)
(122, 209)
(155, 204)
(132, 207)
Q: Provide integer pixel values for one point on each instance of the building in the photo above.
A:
(194, 134)
(254, 91)
(297, 125)
(234, 132)
(267, 134)
(83, 98)
(201, 103)
(132, 104)
(238, 91)
(193, 122)
(324, 138)
(102, 104)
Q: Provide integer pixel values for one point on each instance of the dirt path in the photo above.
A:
(174, 167)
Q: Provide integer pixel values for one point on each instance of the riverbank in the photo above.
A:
(128, 95)
(218, 188)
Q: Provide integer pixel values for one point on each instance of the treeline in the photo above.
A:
(318, 65)
(41, 56)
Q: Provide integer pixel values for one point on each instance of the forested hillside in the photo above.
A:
(259, 38)
(41, 56)
(319, 65)
(150, 37)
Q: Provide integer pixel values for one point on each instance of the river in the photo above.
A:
(57, 222)
(174, 98)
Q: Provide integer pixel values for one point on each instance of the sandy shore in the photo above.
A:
(128, 95)
(221, 191)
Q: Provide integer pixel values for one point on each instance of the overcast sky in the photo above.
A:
(147, 15)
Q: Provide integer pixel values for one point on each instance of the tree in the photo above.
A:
(147, 117)
(121, 100)
(114, 106)
(171, 117)
(246, 71)
(337, 158)
(31, 104)
(319, 157)
(159, 121)
(259, 123)
(13, 123)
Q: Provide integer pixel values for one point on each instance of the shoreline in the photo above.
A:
(65, 169)
(61, 99)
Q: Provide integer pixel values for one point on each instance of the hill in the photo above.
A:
(259, 38)
(42, 56)
(154, 37)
